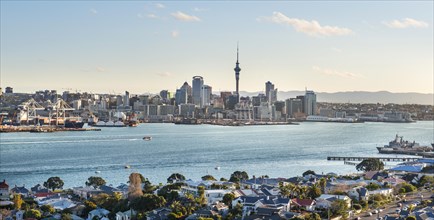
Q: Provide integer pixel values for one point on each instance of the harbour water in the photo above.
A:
(195, 150)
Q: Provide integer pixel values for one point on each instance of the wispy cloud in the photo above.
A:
(164, 74)
(151, 16)
(311, 28)
(100, 69)
(331, 72)
(175, 34)
(159, 5)
(93, 11)
(406, 23)
(199, 9)
(184, 17)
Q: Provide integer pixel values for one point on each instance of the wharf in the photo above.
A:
(387, 159)
(41, 129)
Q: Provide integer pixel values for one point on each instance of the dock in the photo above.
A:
(386, 159)
(42, 129)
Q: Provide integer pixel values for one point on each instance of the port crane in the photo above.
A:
(60, 107)
(28, 110)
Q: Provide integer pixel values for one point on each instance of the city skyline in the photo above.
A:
(145, 47)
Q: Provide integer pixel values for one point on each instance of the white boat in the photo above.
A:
(97, 171)
(217, 168)
(147, 138)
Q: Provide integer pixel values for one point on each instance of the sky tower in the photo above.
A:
(237, 77)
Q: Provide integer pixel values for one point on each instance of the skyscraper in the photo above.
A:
(270, 92)
(197, 88)
(310, 103)
(237, 77)
(206, 95)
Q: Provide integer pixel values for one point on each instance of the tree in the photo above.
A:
(33, 213)
(66, 216)
(208, 177)
(147, 202)
(223, 179)
(48, 208)
(410, 218)
(135, 187)
(201, 200)
(54, 183)
(370, 164)
(323, 184)
(314, 192)
(175, 177)
(18, 201)
(311, 172)
(339, 208)
(95, 181)
(227, 199)
(238, 176)
(373, 186)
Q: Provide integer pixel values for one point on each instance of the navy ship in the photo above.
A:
(401, 146)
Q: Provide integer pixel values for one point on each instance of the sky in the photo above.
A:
(145, 47)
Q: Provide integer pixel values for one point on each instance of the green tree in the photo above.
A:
(33, 213)
(175, 177)
(47, 208)
(339, 208)
(147, 202)
(88, 206)
(410, 218)
(311, 172)
(95, 181)
(54, 183)
(228, 198)
(373, 186)
(357, 206)
(238, 176)
(370, 164)
(201, 200)
(312, 216)
(208, 177)
(323, 184)
(408, 188)
(18, 201)
(66, 216)
(314, 192)
(223, 179)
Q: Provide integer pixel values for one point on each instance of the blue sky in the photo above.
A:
(106, 46)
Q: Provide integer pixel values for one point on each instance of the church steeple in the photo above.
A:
(237, 70)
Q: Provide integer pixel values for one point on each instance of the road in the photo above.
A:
(391, 208)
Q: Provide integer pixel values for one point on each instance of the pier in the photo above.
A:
(386, 159)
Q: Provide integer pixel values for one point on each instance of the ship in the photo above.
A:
(109, 124)
(73, 124)
(401, 146)
(187, 121)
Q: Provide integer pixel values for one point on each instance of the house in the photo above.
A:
(102, 214)
(4, 191)
(22, 190)
(325, 200)
(158, 214)
(58, 202)
(202, 213)
(211, 195)
(125, 215)
(38, 188)
(359, 193)
(265, 214)
(386, 192)
(19, 215)
(256, 183)
(252, 203)
(393, 181)
(220, 208)
(306, 204)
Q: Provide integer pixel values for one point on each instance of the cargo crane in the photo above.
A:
(28, 110)
(60, 107)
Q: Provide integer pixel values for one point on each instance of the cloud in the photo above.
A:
(406, 23)
(165, 74)
(151, 16)
(175, 34)
(184, 17)
(93, 11)
(311, 28)
(199, 9)
(159, 5)
(331, 72)
(100, 69)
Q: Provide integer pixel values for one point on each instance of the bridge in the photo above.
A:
(387, 159)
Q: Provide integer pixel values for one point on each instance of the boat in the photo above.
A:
(147, 138)
(97, 171)
(109, 124)
(217, 168)
(401, 146)
(133, 123)
(187, 121)
(74, 124)
(127, 167)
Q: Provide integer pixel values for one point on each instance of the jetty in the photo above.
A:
(386, 159)
(42, 129)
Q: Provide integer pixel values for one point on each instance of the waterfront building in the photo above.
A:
(119, 101)
(293, 106)
(310, 103)
(126, 99)
(206, 95)
(237, 70)
(197, 88)
(280, 108)
(244, 111)
(167, 110)
(144, 99)
(77, 104)
(257, 100)
(181, 96)
(231, 101)
(187, 110)
(330, 113)
(164, 94)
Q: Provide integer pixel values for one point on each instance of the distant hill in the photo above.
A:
(360, 97)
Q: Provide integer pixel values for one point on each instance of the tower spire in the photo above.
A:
(237, 51)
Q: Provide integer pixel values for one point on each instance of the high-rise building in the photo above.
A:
(126, 99)
(197, 89)
(293, 106)
(206, 95)
(237, 70)
(9, 90)
(270, 92)
(310, 103)
(164, 94)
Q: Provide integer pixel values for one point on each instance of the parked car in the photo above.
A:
(375, 211)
